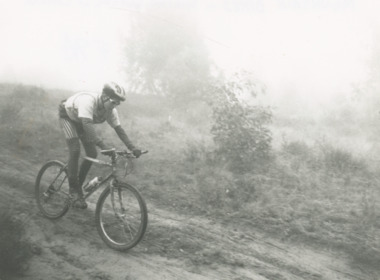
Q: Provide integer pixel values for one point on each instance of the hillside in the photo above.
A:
(312, 212)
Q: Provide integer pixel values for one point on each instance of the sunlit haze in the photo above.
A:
(314, 50)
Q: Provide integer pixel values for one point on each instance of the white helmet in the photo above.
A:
(114, 91)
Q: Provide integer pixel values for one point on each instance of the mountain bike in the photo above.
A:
(121, 214)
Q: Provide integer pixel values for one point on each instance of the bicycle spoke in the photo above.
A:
(129, 230)
(120, 197)
(115, 225)
(52, 190)
(122, 217)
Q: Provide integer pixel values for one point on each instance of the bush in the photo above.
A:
(339, 161)
(14, 250)
(297, 148)
(299, 156)
(240, 131)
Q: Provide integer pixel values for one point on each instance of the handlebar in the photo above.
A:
(114, 155)
(112, 152)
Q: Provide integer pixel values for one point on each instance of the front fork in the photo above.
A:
(118, 199)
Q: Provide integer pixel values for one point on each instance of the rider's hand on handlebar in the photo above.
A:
(136, 153)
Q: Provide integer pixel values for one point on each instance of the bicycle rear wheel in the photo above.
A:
(52, 190)
(121, 216)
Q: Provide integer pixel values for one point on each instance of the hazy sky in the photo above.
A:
(310, 48)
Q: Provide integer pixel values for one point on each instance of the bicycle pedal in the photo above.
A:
(79, 204)
(82, 207)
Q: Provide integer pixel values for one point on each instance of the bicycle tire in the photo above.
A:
(130, 231)
(51, 190)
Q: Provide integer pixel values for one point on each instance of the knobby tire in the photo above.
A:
(132, 227)
(45, 179)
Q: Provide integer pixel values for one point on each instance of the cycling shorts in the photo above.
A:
(70, 128)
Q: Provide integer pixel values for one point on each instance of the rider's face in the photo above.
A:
(109, 103)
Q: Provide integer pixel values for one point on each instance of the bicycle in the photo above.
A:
(121, 214)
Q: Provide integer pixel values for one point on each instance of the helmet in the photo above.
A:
(114, 91)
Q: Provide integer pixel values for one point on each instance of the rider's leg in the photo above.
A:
(72, 170)
(90, 150)
(71, 134)
(72, 165)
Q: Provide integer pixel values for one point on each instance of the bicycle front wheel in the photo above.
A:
(52, 190)
(121, 216)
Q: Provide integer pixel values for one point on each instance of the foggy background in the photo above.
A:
(306, 53)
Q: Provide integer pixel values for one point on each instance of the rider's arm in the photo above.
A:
(124, 137)
(90, 134)
(113, 121)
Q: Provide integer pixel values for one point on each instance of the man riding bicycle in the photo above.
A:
(77, 116)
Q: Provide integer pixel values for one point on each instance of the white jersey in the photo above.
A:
(89, 105)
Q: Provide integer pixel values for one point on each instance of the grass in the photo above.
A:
(312, 190)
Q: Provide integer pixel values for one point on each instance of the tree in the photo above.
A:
(166, 56)
(240, 130)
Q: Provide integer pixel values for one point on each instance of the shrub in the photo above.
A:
(14, 250)
(296, 148)
(340, 162)
(239, 130)
(300, 155)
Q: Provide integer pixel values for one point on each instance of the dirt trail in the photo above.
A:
(175, 246)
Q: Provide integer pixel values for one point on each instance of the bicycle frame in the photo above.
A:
(100, 162)
(109, 176)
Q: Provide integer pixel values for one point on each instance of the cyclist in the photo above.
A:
(77, 116)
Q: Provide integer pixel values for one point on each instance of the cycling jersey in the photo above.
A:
(89, 105)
